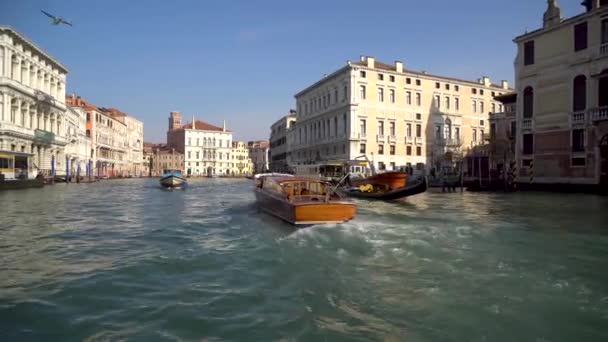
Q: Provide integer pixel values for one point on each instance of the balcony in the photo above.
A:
(577, 118)
(418, 141)
(12, 129)
(392, 139)
(380, 138)
(599, 114)
(527, 124)
(604, 50)
(44, 137)
(363, 136)
(409, 139)
(448, 142)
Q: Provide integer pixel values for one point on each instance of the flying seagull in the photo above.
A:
(56, 21)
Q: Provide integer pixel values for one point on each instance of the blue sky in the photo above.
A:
(242, 61)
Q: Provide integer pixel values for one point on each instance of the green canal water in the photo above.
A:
(126, 260)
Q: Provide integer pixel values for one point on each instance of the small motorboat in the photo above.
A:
(382, 191)
(302, 201)
(173, 179)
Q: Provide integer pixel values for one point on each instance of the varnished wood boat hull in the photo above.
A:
(392, 179)
(305, 213)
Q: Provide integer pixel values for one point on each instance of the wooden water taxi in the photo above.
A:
(302, 201)
(172, 179)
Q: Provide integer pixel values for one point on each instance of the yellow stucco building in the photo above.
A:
(394, 116)
(562, 102)
(240, 163)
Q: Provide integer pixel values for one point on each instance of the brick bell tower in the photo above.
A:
(175, 120)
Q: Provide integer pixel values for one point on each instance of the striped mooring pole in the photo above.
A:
(531, 171)
(515, 176)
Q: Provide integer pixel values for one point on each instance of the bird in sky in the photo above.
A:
(56, 20)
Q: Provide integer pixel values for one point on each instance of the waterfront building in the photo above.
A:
(395, 116)
(503, 133)
(258, 153)
(164, 158)
(110, 153)
(135, 138)
(148, 156)
(242, 165)
(79, 145)
(279, 149)
(32, 108)
(562, 104)
(206, 147)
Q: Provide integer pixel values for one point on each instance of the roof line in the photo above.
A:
(34, 46)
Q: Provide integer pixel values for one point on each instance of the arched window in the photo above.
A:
(579, 93)
(447, 133)
(528, 102)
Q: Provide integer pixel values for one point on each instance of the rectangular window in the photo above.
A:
(380, 77)
(474, 135)
(189, 154)
(456, 103)
(580, 36)
(493, 107)
(418, 150)
(437, 85)
(380, 149)
(391, 128)
(391, 78)
(391, 95)
(578, 161)
(408, 150)
(605, 31)
(392, 150)
(362, 93)
(408, 130)
(578, 140)
(474, 106)
(381, 166)
(480, 122)
(380, 94)
(457, 88)
(418, 99)
(447, 102)
(418, 116)
(480, 91)
(529, 53)
(437, 104)
(481, 135)
(438, 132)
(457, 133)
(513, 128)
(418, 130)
(381, 128)
(197, 155)
(345, 91)
(363, 126)
(474, 91)
(408, 80)
(447, 86)
(362, 74)
(362, 148)
(393, 166)
(408, 97)
(418, 82)
(528, 143)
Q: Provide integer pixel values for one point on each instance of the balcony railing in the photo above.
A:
(44, 137)
(392, 138)
(409, 139)
(418, 141)
(604, 49)
(16, 129)
(577, 118)
(379, 137)
(526, 124)
(448, 142)
(362, 135)
(599, 114)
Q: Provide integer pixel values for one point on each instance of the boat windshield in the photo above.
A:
(305, 188)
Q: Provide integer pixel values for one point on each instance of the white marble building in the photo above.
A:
(32, 105)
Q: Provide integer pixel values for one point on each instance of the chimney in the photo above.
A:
(486, 81)
(371, 62)
(504, 84)
(399, 66)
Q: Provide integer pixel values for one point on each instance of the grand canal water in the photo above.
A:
(126, 260)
